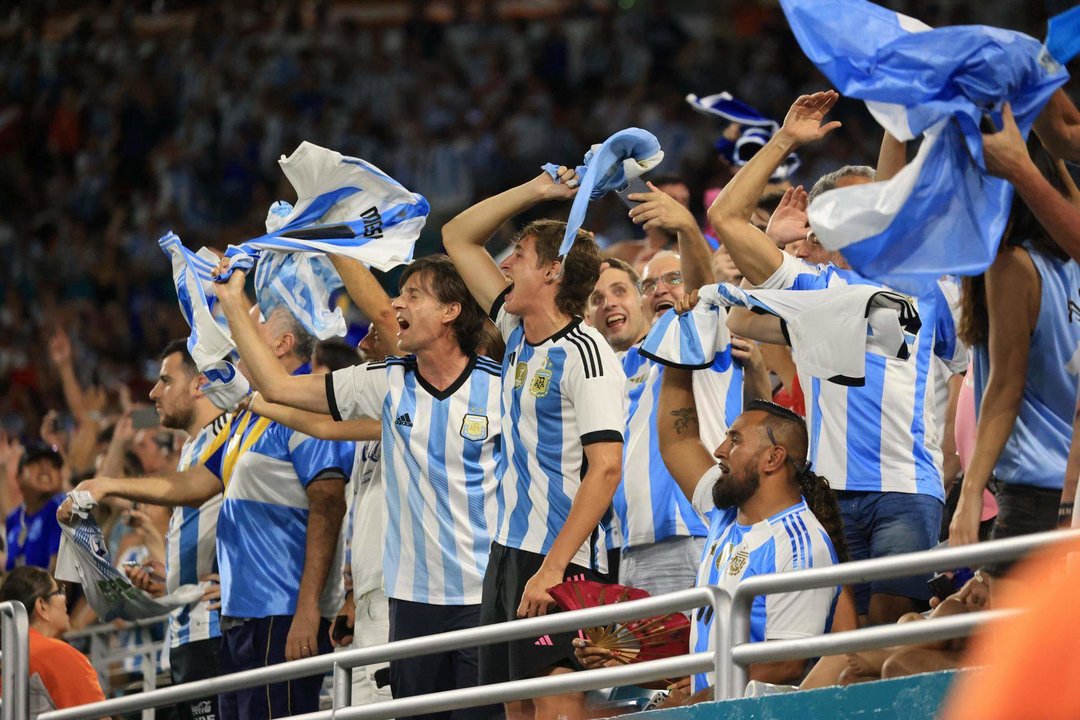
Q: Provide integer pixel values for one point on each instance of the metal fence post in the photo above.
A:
(342, 686)
(720, 602)
(15, 627)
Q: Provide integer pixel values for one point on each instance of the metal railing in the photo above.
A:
(15, 645)
(743, 653)
(341, 664)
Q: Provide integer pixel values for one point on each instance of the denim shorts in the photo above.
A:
(1022, 510)
(880, 524)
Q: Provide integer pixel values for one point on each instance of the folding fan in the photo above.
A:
(633, 641)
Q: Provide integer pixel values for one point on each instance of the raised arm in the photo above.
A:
(307, 392)
(464, 236)
(684, 455)
(754, 254)
(1058, 126)
(1007, 157)
(191, 487)
(370, 297)
(892, 157)
(660, 211)
(317, 425)
(1012, 300)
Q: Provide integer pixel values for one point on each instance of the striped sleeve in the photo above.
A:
(212, 456)
(799, 545)
(596, 387)
(357, 391)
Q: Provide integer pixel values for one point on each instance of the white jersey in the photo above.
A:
(792, 539)
(439, 451)
(190, 546)
(366, 530)
(649, 505)
(559, 395)
(881, 437)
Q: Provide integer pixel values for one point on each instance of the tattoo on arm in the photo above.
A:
(685, 419)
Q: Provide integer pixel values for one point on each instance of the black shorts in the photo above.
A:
(196, 661)
(508, 570)
(1022, 510)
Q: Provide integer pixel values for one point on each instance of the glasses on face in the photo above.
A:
(58, 591)
(671, 279)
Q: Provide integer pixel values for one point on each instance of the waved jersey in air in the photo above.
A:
(558, 396)
(648, 504)
(191, 543)
(792, 539)
(1038, 446)
(439, 452)
(880, 437)
(265, 469)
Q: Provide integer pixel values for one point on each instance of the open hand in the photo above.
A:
(804, 120)
(789, 222)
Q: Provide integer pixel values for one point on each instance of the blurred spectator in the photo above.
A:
(60, 676)
(33, 534)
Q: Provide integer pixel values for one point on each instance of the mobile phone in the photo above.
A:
(941, 586)
(342, 629)
(144, 417)
(637, 185)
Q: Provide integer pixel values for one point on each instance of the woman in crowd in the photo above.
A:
(60, 675)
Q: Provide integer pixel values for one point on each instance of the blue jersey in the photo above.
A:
(33, 539)
(1038, 446)
(191, 544)
(559, 395)
(266, 468)
(439, 450)
(881, 437)
(792, 539)
(648, 504)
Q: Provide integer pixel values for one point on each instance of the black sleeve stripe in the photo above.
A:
(586, 361)
(588, 344)
(497, 372)
(497, 304)
(601, 436)
(331, 399)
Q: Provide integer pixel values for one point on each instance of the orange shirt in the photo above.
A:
(1031, 664)
(65, 673)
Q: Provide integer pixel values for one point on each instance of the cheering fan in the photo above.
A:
(633, 641)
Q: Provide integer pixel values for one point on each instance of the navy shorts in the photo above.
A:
(257, 643)
(890, 523)
(439, 671)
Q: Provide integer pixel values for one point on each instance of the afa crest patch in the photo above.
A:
(738, 562)
(474, 427)
(541, 381)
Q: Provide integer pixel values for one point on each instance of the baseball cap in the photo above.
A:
(40, 451)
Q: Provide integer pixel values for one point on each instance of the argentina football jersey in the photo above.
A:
(558, 396)
(648, 504)
(881, 437)
(792, 539)
(439, 452)
(191, 542)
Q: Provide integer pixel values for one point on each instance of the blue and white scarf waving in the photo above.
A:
(830, 331)
(942, 213)
(756, 130)
(626, 155)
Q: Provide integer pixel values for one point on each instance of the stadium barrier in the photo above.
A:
(728, 661)
(15, 658)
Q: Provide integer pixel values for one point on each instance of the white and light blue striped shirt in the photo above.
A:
(559, 395)
(439, 452)
(881, 437)
(191, 550)
(792, 539)
(648, 504)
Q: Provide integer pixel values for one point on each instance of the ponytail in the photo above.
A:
(821, 500)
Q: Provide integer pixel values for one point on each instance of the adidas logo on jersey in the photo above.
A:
(404, 420)
(545, 640)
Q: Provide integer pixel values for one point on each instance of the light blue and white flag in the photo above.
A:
(626, 155)
(345, 206)
(210, 344)
(943, 213)
(830, 331)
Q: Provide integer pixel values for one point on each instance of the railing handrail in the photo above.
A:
(864, 571)
(15, 644)
(469, 637)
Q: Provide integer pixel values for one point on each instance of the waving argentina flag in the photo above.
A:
(943, 213)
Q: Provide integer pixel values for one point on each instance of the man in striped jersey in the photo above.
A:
(662, 534)
(877, 443)
(441, 439)
(191, 553)
(564, 413)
